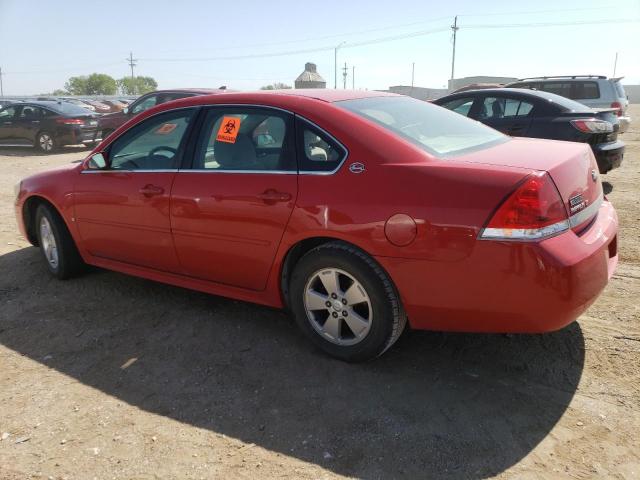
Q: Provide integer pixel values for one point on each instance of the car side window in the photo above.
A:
(585, 91)
(493, 107)
(145, 104)
(246, 139)
(317, 151)
(30, 113)
(7, 113)
(460, 105)
(153, 144)
(559, 88)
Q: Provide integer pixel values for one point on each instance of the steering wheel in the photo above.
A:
(161, 148)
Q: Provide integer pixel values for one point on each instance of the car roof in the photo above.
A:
(40, 103)
(203, 91)
(322, 94)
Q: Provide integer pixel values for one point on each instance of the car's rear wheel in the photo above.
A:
(345, 303)
(57, 245)
(45, 142)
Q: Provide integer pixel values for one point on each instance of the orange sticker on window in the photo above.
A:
(228, 131)
(166, 128)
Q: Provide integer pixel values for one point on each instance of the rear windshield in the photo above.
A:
(436, 130)
(565, 104)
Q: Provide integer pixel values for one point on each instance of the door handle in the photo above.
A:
(151, 190)
(274, 196)
(35, 121)
(7, 123)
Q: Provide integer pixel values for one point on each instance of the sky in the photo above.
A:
(247, 44)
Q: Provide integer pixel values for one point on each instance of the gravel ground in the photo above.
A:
(109, 376)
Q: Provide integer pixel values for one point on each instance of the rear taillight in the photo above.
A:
(592, 125)
(69, 121)
(534, 211)
(617, 105)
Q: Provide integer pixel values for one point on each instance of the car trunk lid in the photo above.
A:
(572, 167)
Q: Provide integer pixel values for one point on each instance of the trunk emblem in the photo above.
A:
(356, 167)
(594, 174)
(577, 203)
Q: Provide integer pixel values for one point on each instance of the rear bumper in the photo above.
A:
(77, 135)
(609, 155)
(511, 287)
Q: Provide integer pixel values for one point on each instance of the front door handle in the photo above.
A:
(274, 196)
(151, 190)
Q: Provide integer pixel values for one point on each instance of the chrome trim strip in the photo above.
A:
(584, 215)
(524, 234)
(215, 170)
(242, 105)
(129, 171)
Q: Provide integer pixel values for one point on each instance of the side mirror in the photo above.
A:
(125, 110)
(97, 161)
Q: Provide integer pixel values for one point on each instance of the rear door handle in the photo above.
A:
(151, 190)
(274, 196)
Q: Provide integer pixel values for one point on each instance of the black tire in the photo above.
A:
(69, 262)
(388, 317)
(46, 142)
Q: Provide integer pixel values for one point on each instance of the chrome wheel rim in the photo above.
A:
(46, 142)
(338, 307)
(49, 246)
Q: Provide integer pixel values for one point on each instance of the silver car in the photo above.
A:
(595, 91)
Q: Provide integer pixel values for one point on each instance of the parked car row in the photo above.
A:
(46, 125)
(100, 106)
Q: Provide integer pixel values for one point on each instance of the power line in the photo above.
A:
(552, 24)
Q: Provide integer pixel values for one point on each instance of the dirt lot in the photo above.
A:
(108, 376)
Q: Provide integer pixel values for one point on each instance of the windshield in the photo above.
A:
(436, 130)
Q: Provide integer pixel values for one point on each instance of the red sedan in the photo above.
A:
(358, 211)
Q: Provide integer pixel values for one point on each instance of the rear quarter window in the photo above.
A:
(585, 91)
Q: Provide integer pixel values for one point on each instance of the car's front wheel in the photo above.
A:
(57, 245)
(345, 303)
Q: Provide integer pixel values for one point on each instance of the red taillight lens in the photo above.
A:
(592, 125)
(617, 105)
(69, 121)
(534, 211)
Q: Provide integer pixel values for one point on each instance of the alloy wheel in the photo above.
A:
(48, 240)
(338, 306)
(46, 142)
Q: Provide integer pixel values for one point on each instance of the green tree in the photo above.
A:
(94, 84)
(137, 85)
(58, 92)
(276, 86)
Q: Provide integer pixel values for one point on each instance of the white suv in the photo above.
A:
(595, 91)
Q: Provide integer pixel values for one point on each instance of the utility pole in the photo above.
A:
(455, 28)
(1, 88)
(132, 63)
(353, 77)
(615, 64)
(335, 64)
(344, 76)
(413, 71)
